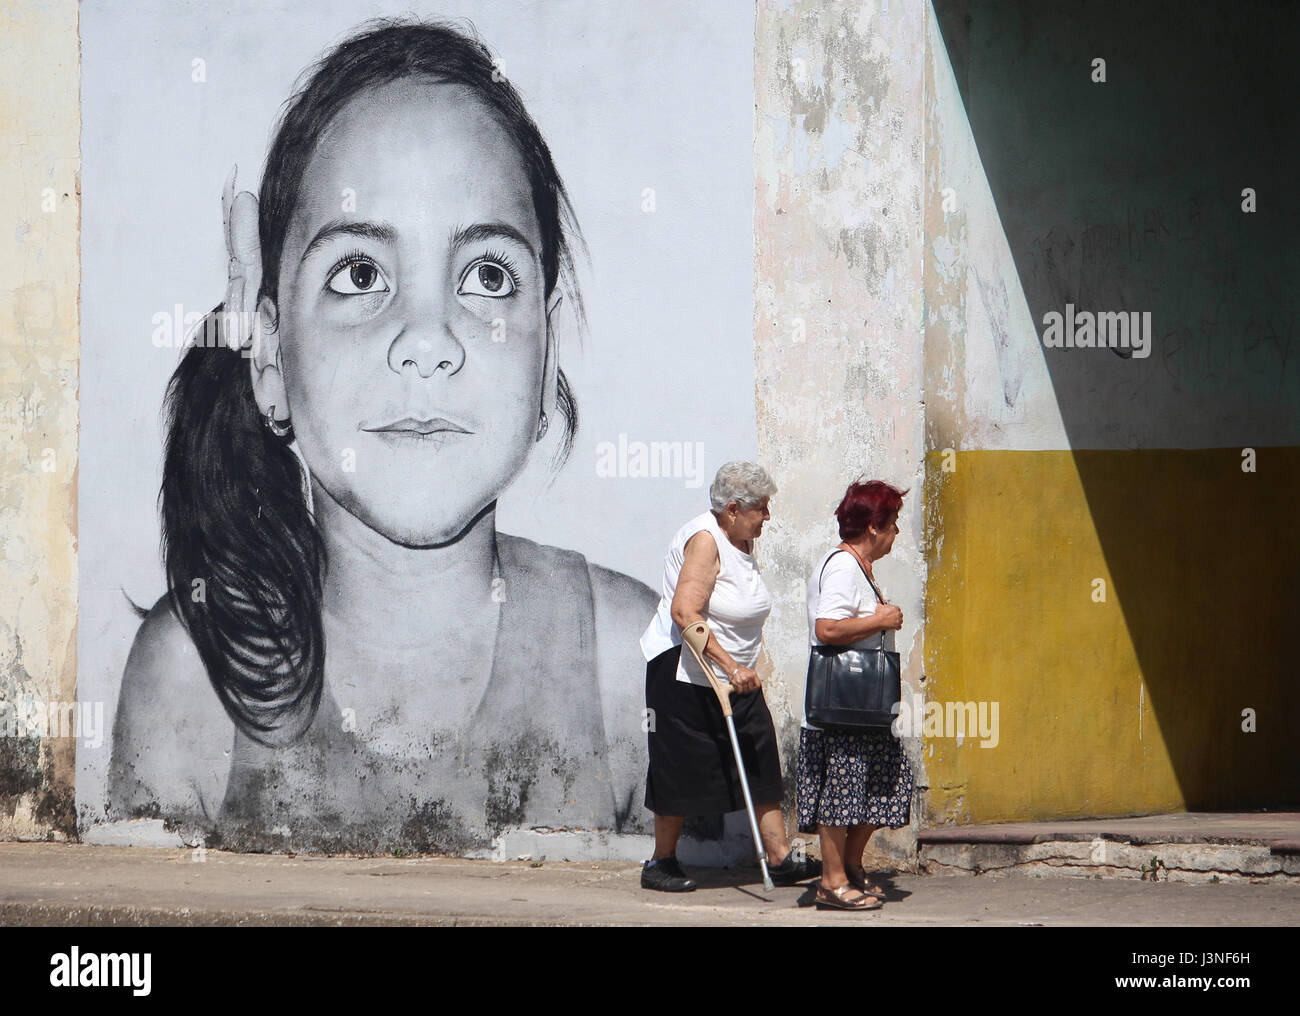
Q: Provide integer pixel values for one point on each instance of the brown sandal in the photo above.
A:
(860, 883)
(837, 899)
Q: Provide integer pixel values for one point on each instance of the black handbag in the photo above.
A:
(850, 689)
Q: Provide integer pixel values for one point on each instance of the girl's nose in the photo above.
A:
(426, 343)
(423, 355)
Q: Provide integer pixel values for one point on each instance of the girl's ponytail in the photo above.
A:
(244, 561)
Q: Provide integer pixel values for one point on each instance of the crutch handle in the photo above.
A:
(695, 637)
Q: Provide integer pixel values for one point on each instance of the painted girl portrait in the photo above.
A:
(351, 653)
(365, 293)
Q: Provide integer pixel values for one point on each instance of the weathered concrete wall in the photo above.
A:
(38, 416)
(837, 233)
(837, 320)
(904, 259)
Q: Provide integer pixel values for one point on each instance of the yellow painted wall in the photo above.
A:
(1133, 705)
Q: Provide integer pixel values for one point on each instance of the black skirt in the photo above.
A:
(692, 765)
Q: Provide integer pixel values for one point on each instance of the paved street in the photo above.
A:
(52, 883)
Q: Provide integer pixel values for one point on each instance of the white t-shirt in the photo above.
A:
(838, 590)
(736, 611)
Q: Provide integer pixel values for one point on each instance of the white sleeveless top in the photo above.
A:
(736, 611)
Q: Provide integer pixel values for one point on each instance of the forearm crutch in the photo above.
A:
(695, 637)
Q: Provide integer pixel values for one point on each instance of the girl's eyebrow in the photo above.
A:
(381, 232)
(465, 235)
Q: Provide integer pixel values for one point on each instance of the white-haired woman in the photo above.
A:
(711, 574)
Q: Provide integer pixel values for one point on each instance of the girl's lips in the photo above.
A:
(409, 425)
(431, 432)
(434, 439)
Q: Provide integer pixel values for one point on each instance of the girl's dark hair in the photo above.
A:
(244, 560)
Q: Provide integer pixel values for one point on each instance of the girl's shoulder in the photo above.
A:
(619, 599)
(163, 656)
(623, 605)
(624, 601)
(171, 736)
(620, 608)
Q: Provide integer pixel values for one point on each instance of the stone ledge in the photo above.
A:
(1112, 858)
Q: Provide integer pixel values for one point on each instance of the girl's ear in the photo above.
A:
(264, 362)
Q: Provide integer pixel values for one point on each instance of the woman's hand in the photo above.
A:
(244, 250)
(744, 679)
(890, 616)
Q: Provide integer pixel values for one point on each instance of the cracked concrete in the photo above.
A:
(1192, 847)
(73, 884)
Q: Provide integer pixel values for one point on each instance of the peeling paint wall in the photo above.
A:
(1072, 493)
(891, 325)
(838, 303)
(38, 417)
(838, 204)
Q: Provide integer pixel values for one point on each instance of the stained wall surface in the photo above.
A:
(1097, 543)
(38, 418)
(838, 303)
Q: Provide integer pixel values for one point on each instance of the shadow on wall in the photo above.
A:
(1127, 195)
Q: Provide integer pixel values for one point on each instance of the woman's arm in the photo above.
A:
(846, 631)
(691, 599)
(839, 621)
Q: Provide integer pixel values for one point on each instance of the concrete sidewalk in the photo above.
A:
(56, 883)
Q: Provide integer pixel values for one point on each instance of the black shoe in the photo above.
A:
(666, 876)
(792, 872)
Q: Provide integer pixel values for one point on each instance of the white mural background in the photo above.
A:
(648, 111)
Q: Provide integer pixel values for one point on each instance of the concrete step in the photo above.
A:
(1195, 847)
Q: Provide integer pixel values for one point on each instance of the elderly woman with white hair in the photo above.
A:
(711, 574)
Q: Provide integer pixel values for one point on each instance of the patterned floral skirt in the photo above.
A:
(850, 779)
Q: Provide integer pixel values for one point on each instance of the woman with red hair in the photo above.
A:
(852, 783)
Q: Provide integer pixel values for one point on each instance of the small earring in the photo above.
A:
(276, 428)
(542, 425)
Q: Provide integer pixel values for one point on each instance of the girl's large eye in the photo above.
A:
(357, 277)
(486, 277)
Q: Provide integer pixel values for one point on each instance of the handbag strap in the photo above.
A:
(841, 550)
(826, 562)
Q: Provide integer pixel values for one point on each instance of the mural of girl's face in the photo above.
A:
(414, 346)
